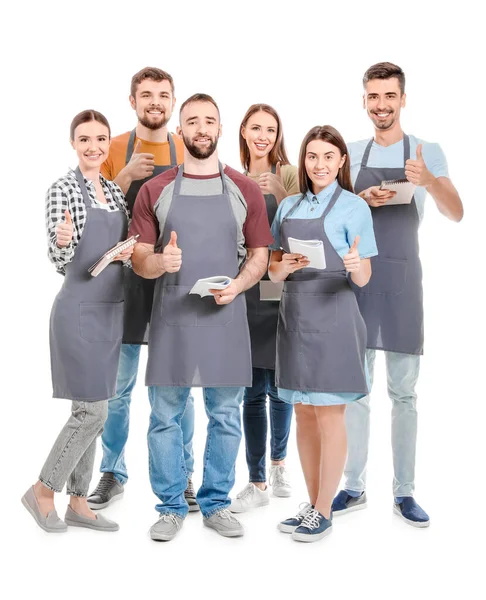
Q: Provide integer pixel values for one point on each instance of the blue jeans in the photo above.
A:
(115, 433)
(255, 423)
(167, 467)
(402, 374)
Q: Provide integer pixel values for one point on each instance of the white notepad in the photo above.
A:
(110, 254)
(313, 249)
(404, 190)
(202, 286)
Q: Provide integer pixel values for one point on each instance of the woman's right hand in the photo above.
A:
(294, 262)
(64, 231)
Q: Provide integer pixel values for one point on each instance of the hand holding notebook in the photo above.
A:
(403, 188)
(202, 286)
(110, 255)
(313, 249)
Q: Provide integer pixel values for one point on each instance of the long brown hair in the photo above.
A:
(86, 117)
(326, 133)
(278, 152)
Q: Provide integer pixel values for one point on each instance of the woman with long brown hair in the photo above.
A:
(321, 337)
(264, 158)
(86, 215)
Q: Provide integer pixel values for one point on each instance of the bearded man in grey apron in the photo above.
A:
(391, 304)
(197, 221)
(135, 158)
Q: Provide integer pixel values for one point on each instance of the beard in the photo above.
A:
(153, 125)
(200, 153)
(383, 125)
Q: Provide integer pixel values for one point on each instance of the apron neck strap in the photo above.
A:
(84, 189)
(406, 150)
(131, 146)
(180, 174)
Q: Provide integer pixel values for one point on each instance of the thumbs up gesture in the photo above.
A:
(352, 260)
(64, 231)
(172, 255)
(141, 164)
(416, 171)
(271, 183)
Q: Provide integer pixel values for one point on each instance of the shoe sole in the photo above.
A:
(302, 537)
(105, 504)
(286, 528)
(88, 526)
(350, 509)
(282, 494)
(159, 537)
(225, 533)
(418, 524)
(259, 505)
(193, 507)
(47, 529)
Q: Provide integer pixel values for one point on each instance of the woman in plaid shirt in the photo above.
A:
(85, 216)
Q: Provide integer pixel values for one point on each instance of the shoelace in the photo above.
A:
(311, 519)
(304, 507)
(104, 486)
(278, 476)
(225, 514)
(169, 518)
(190, 489)
(246, 492)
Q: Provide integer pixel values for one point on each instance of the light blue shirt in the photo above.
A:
(392, 157)
(349, 217)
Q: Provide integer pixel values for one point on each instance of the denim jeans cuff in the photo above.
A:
(180, 513)
(77, 494)
(278, 457)
(257, 480)
(215, 510)
(49, 486)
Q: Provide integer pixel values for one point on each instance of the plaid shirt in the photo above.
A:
(65, 194)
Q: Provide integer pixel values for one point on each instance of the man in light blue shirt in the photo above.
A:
(391, 303)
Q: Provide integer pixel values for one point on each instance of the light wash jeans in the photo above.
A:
(115, 433)
(71, 459)
(402, 374)
(167, 466)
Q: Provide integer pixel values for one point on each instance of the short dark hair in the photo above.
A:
(199, 98)
(385, 70)
(86, 117)
(329, 134)
(150, 73)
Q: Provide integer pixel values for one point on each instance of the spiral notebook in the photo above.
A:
(404, 190)
(110, 254)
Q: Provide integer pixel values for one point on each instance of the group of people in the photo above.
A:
(301, 335)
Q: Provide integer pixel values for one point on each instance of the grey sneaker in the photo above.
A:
(224, 523)
(166, 527)
(107, 491)
(190, 496)
(279, 481)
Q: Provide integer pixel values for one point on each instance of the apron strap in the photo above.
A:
(180, 174)
(131, 146)
(366, 155)
(332, 201)
(406, 151)
(84, 189)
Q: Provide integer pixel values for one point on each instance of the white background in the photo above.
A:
(306, 59)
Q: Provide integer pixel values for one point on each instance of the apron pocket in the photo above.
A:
(101, 321)
(309, 313)
(210, 314)
(178, 307)
(388, 277)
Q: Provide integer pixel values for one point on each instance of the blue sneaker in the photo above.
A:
(410, 511)
(289, 525)
(314, 527)
(344, 503)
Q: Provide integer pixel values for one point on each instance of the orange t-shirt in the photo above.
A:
(118, 152)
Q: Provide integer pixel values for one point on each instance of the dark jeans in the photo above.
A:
(255, 423)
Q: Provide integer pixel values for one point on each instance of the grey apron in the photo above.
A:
(392, 302)
(263, 314)
(321, 336)
(193, 342)
(87, 315)
(139, 292)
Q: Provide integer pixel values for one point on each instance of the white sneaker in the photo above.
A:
(249, 497)
(279, 481)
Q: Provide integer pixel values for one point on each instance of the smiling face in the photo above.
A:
(200, 128)
(92, 144)
(153, 103)
(383, 101)
(260, 134)
(322, 163)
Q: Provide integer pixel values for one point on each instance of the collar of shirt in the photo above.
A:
(323, 196)
(88, 181)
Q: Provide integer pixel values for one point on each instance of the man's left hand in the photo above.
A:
(416, 171)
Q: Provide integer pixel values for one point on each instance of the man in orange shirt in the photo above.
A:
(135, 157)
